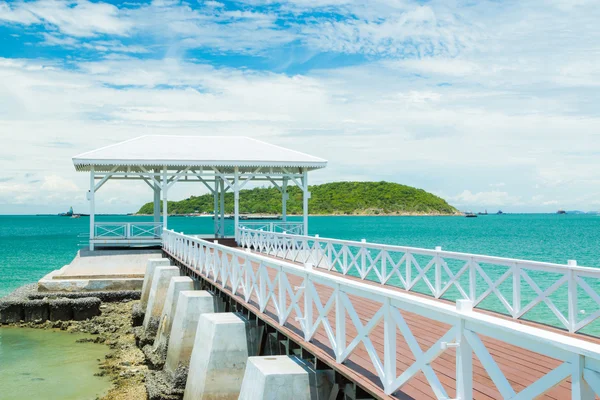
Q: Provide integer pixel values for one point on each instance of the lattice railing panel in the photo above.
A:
(507, 286)
(391, 332)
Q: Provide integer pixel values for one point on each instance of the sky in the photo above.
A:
(489, 104)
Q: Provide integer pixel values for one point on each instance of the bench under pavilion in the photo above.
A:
(218, 163)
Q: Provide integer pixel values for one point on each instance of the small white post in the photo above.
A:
(340, 325)
(464, 355)
(164, 193)
(284, 198)
(516, 290)
(156, 208)
(363, 258)
(572, 295)
(216, 208)
(91, 197)
(389, 348)
(236, 202)
(222, 209)
(438, 273)
(580, 389)
(305, 197)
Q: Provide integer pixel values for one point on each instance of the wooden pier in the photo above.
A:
(425, 351)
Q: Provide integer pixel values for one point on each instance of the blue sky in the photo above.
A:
(490, 104)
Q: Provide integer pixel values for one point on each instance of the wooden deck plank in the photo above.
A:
(520, 366)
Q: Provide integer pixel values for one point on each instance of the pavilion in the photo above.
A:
(219, 163)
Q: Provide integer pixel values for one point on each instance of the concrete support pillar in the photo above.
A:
(177, 285)
(148, 276)
(284, 378)
(158, 293)
(190, 307)
(221, 349)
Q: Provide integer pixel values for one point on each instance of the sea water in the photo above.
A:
(32, 246)
(50, 365)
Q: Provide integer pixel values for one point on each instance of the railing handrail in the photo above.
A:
(504, 261)
(129, 230)
(128, 223)
(465, 324)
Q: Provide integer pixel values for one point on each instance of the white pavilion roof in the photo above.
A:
(196, 151)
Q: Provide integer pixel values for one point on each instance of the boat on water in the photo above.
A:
(482, 213)
(470, 215)
(71, 214)
(68, 213)
(499, 212)
(561, 212)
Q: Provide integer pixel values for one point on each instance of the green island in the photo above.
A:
(336, 198)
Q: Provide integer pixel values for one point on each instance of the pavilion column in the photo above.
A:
(91, 198)
(284, 198)
(156, 203)
(305, 197)
(164, 193)
(236, 202)
(216, 207)
(222, 208)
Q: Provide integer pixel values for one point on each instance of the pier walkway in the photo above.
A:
(387, 341)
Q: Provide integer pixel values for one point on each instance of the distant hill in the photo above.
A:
(337, 198)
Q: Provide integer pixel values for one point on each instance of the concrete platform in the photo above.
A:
(101, 270)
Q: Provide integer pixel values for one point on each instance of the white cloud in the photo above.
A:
(77, 18)
(482, 97)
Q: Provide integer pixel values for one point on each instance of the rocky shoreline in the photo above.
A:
(124, 363)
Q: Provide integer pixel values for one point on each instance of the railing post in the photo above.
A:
(464, 355)
(408, 271)
(438, 272)
(389, 348)
(281, 296)
(363, 258)
(308, 306)
(516, 290)
(580, 389)
(472, 281)
(572, 296)
(128, 230)
(340, 325)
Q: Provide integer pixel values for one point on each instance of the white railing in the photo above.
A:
(268, 281)
(127, 230)
(294, 228)
(509, 286)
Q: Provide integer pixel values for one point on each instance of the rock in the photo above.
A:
(86, 308)
(35, 310)
(137, 315)
(60, 310)
(10, 312)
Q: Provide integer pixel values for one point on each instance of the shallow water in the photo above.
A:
(42, 364)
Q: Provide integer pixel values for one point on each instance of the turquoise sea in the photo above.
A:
(32, 246)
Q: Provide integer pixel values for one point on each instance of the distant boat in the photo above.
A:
(470, 215)
(561, 212)
(499, 212)
(68, 213)
(483, 213)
